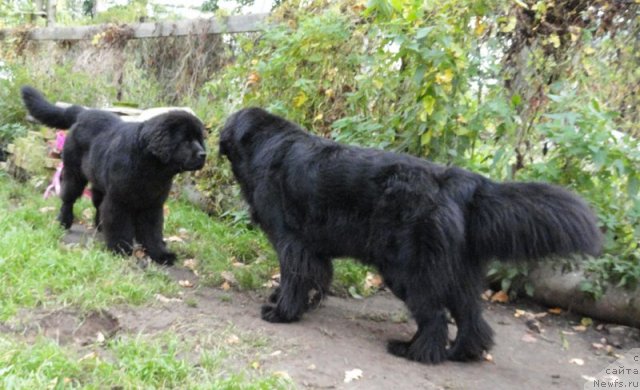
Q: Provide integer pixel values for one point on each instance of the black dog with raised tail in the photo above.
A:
(429, 229)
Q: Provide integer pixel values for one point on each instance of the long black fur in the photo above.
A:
(130, 167)
(430, 230)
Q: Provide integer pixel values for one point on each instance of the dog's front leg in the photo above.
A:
(149, 225)
(300, 272)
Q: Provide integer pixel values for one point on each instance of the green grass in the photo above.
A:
(130, 362)
(37, 270)
(220, 245)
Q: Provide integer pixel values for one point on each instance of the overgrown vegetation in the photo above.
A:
(527, 90)
(517, 91)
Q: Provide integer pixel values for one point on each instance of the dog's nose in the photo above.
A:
(202, 154)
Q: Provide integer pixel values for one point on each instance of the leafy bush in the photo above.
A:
(444, 82)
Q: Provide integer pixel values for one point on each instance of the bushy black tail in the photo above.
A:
(514, 221)
(47, 113)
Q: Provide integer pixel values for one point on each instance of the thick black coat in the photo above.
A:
(130, 167)
(429, 229)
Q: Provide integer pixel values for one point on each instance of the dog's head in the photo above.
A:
(176, 139)
(246, 130)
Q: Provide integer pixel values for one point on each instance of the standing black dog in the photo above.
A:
(429, 229)
(130, 167)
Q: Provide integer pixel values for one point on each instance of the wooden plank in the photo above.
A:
(231, 24)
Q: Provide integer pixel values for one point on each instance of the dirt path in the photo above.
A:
(346, 334)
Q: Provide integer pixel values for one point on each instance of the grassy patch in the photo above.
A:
(219, 246)
(161, 361)
(37, 270)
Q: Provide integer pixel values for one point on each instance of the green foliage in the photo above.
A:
(459, 82)
(58, 82)
(132, 12)
(11, 131)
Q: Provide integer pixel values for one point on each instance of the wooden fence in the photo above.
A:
(231, 24)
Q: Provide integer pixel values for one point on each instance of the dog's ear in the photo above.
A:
(156, 139)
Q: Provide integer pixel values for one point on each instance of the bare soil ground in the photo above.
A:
(346, 334)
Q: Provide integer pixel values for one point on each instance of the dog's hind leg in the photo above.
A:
(300, 272)
(73, 183)
(117, 225)
(474, 334)
(429, 343)
(148, 224)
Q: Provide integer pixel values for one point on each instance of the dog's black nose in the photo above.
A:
(202, 154)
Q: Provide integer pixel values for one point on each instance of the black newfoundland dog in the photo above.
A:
(130, 167)
(428, 229)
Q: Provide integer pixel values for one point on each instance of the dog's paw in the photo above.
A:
(66, 220)
(460, 354)
(166, 258)
(430, 355)
(272, 314)
(398, 348)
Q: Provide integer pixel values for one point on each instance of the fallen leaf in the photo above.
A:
(486, 295)
(90, 355)
(555, 310)
(233, 339)
(173, 239)
(282, 374)
(372, 281)
(500, 297)
(579, 328)
(255, 365)
(238, 264)
(311, 366)
(354, 293)
(164, 299)
(139, 253)
(519, 313)
(275, 353)
(229, 277)
(191, 264)
(564, 341)
(225, 286)
(352, 375)
(598, 346)
(47, 209)
(100, 338)
(586, 322)
(528, 338)
(577, 361)
(488, 357)
(270, 284)
(253, 78)
(185, 283)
